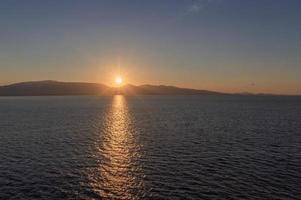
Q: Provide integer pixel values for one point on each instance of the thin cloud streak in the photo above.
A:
(195, 8)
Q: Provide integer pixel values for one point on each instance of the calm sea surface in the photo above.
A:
(150, 147)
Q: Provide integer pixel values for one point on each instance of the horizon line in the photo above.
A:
(148, 84)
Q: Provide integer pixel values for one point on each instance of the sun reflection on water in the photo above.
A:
(120, 176)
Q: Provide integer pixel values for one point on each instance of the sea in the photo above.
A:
(150, 147)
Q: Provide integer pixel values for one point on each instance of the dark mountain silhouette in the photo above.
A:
(44, 88)
(40, 88)
(162, 90)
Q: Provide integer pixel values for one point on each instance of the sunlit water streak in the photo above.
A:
(119, 175)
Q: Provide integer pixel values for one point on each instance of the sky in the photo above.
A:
(221, 45)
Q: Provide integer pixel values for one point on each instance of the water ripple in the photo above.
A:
(150, 148)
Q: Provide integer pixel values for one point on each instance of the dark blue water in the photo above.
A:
(150, 147)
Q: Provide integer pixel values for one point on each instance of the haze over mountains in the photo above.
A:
(45, 88)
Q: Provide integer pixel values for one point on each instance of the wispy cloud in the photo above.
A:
(190, 9)
(194, 8)
(198, 5)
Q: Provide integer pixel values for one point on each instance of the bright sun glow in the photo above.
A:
(118, 80)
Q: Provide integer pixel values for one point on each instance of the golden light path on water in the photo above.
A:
(119, 175)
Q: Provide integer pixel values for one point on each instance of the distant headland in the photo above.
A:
(57, 88)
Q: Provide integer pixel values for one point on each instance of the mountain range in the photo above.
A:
(55, 88)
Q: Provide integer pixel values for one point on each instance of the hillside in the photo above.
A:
(52, 88)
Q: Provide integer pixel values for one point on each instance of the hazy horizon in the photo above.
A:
(149, 84)
(227, 46)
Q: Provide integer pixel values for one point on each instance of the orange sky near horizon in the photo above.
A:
(276, 83)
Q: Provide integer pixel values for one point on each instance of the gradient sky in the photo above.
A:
(223, 45)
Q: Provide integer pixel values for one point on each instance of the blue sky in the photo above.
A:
(225, 45)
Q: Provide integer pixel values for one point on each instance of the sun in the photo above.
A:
(118, 80)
